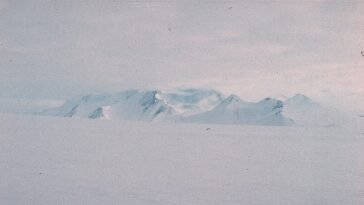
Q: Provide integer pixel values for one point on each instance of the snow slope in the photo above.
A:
(46, 160)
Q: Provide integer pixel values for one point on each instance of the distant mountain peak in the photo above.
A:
(232, 102)
(300, 100)
(299, 97)
(232, 110)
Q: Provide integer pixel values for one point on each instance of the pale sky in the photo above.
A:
(52, 50)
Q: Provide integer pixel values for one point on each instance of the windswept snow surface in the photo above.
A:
(47, 160)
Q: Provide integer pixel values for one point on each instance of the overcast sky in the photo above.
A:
(51, 50)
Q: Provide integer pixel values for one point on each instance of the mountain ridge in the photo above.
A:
(197, 106)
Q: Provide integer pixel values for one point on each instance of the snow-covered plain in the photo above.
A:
(49, 160)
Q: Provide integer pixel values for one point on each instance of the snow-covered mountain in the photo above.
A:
(235, 111)
(193, 101)
(81, 106)
(200, 106)
(145, 105)
(129, 105)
